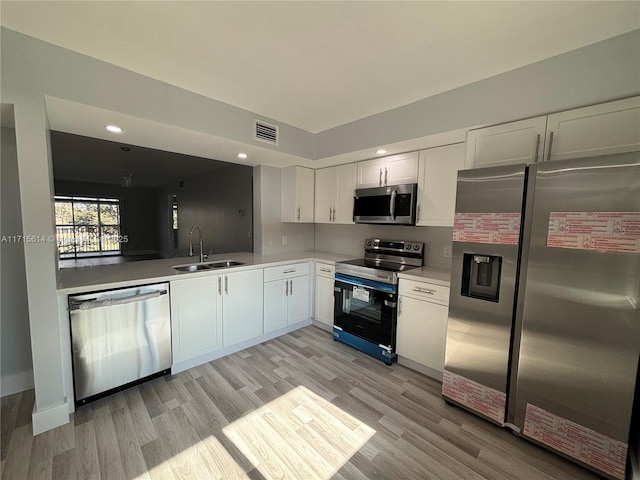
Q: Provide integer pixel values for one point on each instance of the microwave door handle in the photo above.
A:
(393, 205)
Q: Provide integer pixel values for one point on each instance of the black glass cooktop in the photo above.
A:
(379, 265)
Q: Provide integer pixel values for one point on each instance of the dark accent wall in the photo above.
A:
(221, 204)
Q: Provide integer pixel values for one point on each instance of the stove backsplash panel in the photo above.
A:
(347, 239)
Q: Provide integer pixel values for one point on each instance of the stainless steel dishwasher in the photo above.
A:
(118, 338)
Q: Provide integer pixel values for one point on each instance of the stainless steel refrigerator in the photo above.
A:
(543, 333)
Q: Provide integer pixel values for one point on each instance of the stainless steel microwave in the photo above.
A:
(392, 205)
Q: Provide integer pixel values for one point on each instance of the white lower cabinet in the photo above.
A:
(286, 296)
(196, 317)
(242, 306)
(323, 311)
(214, 311)
(422, 324)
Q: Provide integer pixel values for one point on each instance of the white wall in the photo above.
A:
(16, 367)
(349, 240)
(268, 228)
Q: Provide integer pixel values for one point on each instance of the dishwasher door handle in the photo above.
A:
(112, 302)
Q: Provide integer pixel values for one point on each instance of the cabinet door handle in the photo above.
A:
(291, 287)
(286, 288)
(330, 214)
(298, 213)
(385, 175)
(226, 284)
(424, 290)
(334, 214)
(550, 144)
(535, 157)
(380, 181)
(219, 285)
(418, 213)
(399, 305)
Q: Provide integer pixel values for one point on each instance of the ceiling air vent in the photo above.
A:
(266, 132)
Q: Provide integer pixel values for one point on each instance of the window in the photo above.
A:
(87, 226)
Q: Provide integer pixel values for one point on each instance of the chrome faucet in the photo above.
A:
(191, 242)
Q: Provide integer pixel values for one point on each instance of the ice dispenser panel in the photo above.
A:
(481, 276)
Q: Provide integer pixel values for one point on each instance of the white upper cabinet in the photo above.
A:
(438, 175)
(334, 194)
(603, 129)
(345, 186)
(297, 194)
(392, 170)
(402, 169)
(507, 144)
(325, 195)
(371, 173)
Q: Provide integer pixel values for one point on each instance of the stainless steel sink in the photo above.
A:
(191, 268)
(225, 264)
(196, 267)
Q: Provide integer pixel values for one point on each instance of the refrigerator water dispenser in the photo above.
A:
(481, 276)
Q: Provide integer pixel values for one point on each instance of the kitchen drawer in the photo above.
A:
(286, 271)
(424, 291)
(325, 270)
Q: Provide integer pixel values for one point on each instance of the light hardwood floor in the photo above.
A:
(297, 407)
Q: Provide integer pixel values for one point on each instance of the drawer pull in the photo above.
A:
(325, 270)
(293, 270)
(424, 290)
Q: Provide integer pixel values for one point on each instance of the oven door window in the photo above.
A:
(365, 312)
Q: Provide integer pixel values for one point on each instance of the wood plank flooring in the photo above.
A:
(297, 407)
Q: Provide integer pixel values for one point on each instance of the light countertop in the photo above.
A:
(436, 276)
(102, 277)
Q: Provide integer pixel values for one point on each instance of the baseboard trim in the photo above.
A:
(16, 383)
(322, 325)
(208, 357)
(418, 367)
(50, 418)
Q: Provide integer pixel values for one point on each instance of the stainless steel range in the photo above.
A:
(366, 296)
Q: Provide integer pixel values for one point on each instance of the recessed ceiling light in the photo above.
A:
(113, 128)
(242, 155)
(382, 151)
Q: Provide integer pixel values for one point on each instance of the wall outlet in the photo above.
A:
(447, 251)
(285, 240)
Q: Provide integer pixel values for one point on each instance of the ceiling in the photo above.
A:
(318, 65)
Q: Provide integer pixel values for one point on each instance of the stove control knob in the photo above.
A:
(368, 243)
(416, 247)
(407, 246)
